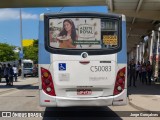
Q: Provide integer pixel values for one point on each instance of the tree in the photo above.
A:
(35, 43)
(7, 53)
(31, 52)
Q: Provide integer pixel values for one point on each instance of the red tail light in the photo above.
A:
(120, 81)
(47, 82)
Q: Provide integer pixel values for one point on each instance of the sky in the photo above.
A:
(10, 21)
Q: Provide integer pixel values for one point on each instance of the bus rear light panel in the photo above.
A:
(120, 81)
(47, 82)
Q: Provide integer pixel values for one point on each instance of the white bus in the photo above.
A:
(27, 67)
(82, 59)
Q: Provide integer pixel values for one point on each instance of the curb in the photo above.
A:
(142, 109)
(13, 89)
(137, 107)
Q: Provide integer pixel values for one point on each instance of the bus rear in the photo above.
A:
(82, 60)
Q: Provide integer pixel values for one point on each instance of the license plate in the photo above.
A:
(84, 91)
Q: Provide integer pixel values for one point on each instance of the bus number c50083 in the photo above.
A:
(100, 68)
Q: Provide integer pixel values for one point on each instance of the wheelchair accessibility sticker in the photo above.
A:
(62, 66)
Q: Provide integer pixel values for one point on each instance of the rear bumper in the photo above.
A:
(66, 102)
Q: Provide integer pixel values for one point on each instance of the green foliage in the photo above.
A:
(35, 43)
(31, 52)
(16, 55)
(7, 53)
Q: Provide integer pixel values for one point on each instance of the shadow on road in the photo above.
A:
(19, 86)
(80, 113)
(145, 89)
(31, 87)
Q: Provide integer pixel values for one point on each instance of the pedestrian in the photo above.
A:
(149, 72)
(128, 67)
(35, 70)
(5, 73)
(144, 73)
(10, 74)
(132, 73)
(140, 71)
(15, 72)
(137, 70)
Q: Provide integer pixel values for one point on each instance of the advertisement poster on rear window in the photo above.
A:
(75, 33)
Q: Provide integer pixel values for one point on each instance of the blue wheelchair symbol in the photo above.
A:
(62, 66)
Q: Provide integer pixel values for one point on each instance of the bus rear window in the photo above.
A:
(83, 33)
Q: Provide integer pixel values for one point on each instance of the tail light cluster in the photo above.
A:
(47, 82)
(120, 81)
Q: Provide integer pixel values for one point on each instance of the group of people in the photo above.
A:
(9, 73)
(142, 70)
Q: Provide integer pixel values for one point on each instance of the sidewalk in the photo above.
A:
(21, 83)
(145, 97)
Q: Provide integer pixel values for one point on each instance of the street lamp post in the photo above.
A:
(21, 38)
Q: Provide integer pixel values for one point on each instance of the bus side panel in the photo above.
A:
(43, 55)
(43, 59)
(122, 55)
(122, 62)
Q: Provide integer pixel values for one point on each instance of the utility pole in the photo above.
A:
(21, 38)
